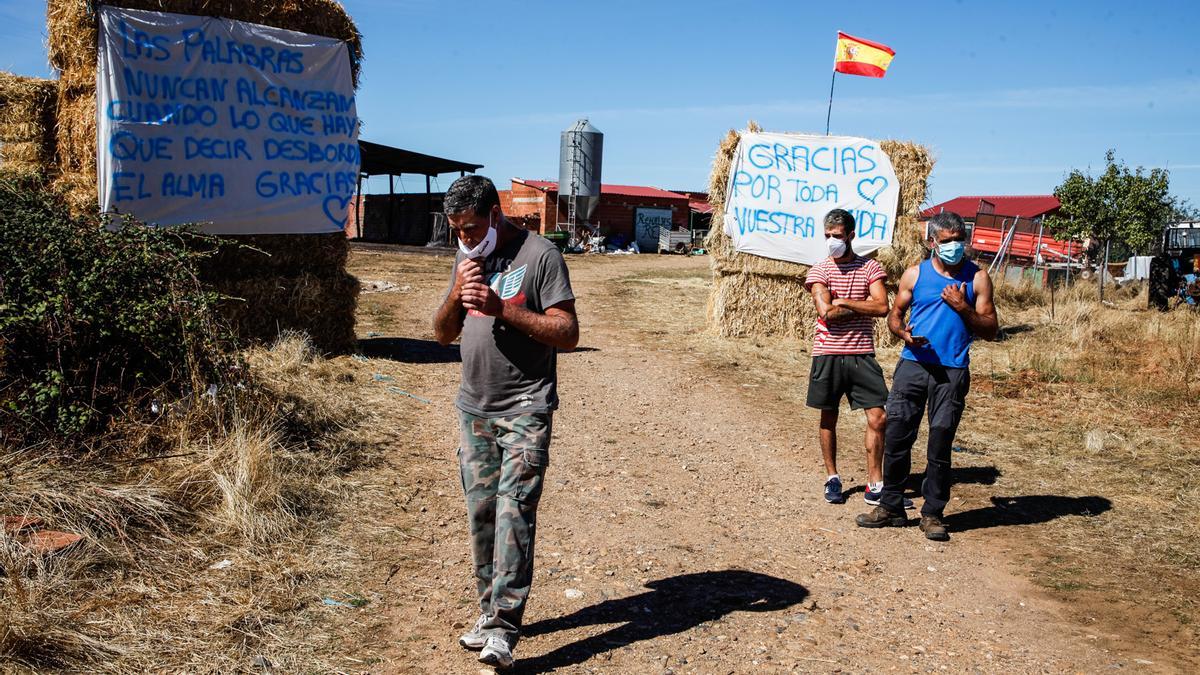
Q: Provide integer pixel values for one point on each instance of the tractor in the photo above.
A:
(1175, 271)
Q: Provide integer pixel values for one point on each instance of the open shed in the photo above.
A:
(399, 218)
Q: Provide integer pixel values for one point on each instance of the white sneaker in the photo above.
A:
(496, 653)
(474, 639)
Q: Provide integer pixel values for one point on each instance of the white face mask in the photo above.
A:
(837, 247)
(484, 248)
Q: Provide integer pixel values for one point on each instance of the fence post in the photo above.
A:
(1104, 268)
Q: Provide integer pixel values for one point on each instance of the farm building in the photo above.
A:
(625, 212)
(702, 210)
(991, 220)
(399, 218)
(1033, 207)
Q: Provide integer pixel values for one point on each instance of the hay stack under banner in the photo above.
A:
(753, 295)
(276, 282)
(28, 109)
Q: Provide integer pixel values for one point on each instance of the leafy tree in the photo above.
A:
(1119, 205)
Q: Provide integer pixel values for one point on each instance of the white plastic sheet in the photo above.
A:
(241, 128)
(782, 185)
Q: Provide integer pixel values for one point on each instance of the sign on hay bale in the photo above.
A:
(755, 295)
(782, 185)
(73, 40)
(272, 282)
(242, 128)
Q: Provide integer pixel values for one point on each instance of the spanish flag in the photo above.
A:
(856, 56)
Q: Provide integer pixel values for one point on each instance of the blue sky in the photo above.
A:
(1009, 95)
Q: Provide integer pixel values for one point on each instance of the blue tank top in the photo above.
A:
(948, 335)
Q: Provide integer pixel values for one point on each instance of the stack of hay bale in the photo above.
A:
(27, 120)
(275, 282)
(753, 295)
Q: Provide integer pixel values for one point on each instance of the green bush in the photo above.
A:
(94, 322)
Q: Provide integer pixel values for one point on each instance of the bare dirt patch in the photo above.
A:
(683, 528)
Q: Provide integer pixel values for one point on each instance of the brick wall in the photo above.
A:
(614, 213)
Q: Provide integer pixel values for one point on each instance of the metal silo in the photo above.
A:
(579, 172)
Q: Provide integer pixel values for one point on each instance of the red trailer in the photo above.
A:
(1029, 239)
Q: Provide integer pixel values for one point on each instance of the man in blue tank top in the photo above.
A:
(951, 304)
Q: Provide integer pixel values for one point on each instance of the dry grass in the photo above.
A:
(752, 295)
(1101, 401)
(250, 477)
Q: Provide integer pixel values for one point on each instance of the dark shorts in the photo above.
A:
(858, 377)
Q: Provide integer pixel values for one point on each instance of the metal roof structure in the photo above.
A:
(384, 160)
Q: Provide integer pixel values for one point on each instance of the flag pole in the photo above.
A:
(829, 112)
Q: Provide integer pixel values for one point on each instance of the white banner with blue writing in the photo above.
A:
(240, 128)
(782, 185)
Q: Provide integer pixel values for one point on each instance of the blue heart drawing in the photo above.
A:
(342, 204)
(870, 184)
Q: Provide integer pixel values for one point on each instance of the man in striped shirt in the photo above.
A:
(849, 294)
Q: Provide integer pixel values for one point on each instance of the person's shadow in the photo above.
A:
(1026, 510)
(673, 605)
(409, 350)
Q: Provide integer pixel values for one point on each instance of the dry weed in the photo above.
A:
(39, 624)
(246, 476)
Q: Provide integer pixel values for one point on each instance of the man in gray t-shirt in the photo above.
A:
(510, 299)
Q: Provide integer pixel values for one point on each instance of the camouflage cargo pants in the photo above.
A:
(502, 461)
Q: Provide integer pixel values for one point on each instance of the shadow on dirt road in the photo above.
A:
(673, 605)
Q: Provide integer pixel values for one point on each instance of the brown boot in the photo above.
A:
(881, 517)
(934, 529)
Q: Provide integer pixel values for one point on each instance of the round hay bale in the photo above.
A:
(753, 295)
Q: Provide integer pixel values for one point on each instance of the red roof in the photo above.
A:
(700, 206)
(1026, 206)
(606, 188)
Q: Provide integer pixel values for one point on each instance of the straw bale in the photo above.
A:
(261, 308)
(259, 255)
(76, 132)
(757, 304)
(28, 108)
(913, 164)
(73, 28)
(79, 190)
(22, 172)
(753, 295)
(21, 154)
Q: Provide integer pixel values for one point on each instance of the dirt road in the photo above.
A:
(682, 528)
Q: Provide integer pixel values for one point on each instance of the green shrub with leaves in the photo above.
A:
(95, 322)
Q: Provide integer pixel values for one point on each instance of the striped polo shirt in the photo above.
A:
(851, 280)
